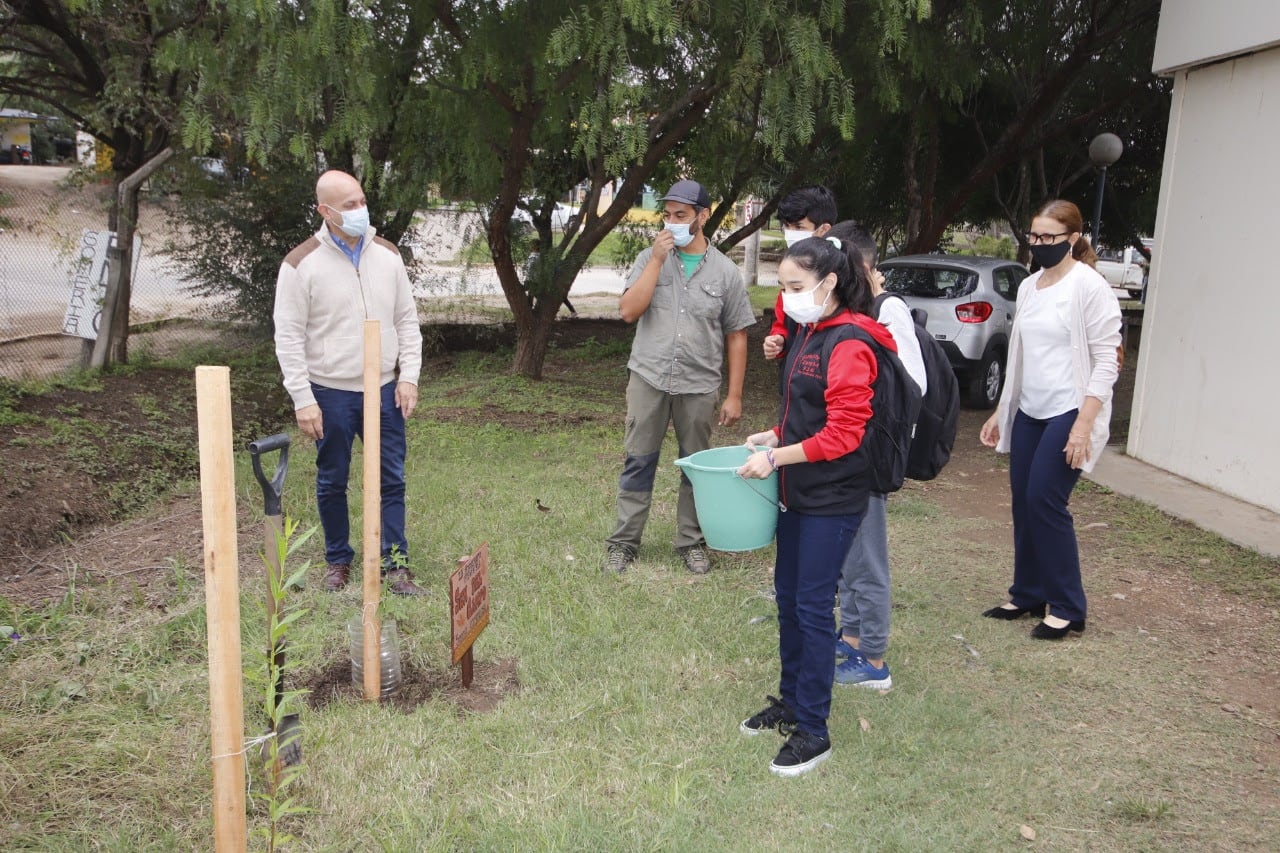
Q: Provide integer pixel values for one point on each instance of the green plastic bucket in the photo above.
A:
(735, 514)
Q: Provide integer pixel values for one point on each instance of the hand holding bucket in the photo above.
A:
(735, 514)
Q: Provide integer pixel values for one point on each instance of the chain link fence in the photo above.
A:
(53, 236)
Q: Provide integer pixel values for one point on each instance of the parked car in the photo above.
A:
(1127, 269)
(968, 302)
(561, 215)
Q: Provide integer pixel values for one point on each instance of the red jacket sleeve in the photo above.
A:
(779, 326)
(850, 372)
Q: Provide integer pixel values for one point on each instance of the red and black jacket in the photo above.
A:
(825, 408)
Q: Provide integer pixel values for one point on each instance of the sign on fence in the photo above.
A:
(89, 282)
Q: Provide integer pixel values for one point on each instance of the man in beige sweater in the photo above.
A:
(327, 287)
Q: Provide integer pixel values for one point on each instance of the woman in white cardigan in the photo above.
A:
(1054, 415)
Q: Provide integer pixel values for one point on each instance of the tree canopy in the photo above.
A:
(919, 113)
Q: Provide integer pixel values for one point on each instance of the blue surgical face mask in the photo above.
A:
(354, 222)
(681, 231)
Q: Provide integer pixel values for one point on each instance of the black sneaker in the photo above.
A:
(772, 718)
(801, 753)
(619, 558)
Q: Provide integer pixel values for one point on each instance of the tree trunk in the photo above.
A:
(752, 265)
(111, 347)
(532, 339)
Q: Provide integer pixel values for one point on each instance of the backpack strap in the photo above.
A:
(880, 300)
(917, 314)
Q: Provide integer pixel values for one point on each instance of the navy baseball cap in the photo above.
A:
(688, 192)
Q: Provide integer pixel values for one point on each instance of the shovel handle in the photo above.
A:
(273, 488)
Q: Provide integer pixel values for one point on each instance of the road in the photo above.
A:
(38, 247)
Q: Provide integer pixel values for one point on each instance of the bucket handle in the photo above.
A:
(779, 504)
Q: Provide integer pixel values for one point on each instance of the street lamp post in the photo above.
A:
(1104, 150)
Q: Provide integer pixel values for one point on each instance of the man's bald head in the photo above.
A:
(333, 187)
(336, 193)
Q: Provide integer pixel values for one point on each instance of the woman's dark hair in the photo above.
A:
(822, 257)
(1066, 213)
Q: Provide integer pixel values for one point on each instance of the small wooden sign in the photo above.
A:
(469, 605)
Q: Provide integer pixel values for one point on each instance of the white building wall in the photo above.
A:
(1207, 397)
(1196, 32)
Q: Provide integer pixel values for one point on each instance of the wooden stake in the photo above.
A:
(222, 606)
(371, 544)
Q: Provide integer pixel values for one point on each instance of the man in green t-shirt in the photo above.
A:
(690, 308)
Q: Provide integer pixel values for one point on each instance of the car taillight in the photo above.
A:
(973, 312)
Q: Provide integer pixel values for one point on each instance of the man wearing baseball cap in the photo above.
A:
(690, 308)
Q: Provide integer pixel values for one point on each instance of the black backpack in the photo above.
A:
(939, 410)
(895, 404)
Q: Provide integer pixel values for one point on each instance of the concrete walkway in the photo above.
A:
(1234, 520)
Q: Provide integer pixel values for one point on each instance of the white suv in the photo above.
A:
(1126, 270)
(969, 302)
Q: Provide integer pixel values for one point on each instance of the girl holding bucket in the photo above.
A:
(826, 404)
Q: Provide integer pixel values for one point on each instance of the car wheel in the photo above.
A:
(987, 382)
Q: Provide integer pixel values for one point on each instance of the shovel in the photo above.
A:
(288, 734)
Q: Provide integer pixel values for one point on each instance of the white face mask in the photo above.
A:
(795, 235)
(681, 231)
(354, 222)
(801, 307)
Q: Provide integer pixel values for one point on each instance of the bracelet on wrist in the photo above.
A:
(768, 454)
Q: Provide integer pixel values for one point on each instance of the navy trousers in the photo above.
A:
(811, 551)
(1046, 559)
(343, 413)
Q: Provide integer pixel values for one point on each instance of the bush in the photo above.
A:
(995, 247)
(232, 238)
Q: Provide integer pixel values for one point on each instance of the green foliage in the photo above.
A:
(234, 237)
(283, 749)
(630, 239)
(992, 247)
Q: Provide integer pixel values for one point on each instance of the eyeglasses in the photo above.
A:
(1043, 239)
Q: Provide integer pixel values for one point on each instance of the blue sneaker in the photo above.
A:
(844, 651)
(863, 674)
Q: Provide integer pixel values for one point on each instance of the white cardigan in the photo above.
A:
(1095, 337)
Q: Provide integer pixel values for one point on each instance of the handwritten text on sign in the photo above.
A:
(469, 600)
(89, 282)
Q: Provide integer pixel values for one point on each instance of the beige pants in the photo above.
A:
(648, 413)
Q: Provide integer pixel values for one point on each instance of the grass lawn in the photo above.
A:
(623, 732)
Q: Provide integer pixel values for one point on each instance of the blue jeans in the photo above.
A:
(811, 549)
(343, 413)
(1046, 560)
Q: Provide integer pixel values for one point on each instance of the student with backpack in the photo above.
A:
(864, 576)
(864, 579)
(830, 372)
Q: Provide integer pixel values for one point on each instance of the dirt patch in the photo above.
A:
(1231, 643)
(75, 458)
(491, 682)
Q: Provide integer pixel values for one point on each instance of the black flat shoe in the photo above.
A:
(1044, 632)
(1015, 613)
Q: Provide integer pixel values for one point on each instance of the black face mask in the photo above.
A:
(1051, 255)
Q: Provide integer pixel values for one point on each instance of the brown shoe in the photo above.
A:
(400, 581)
(335, 577)
(696, 559)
